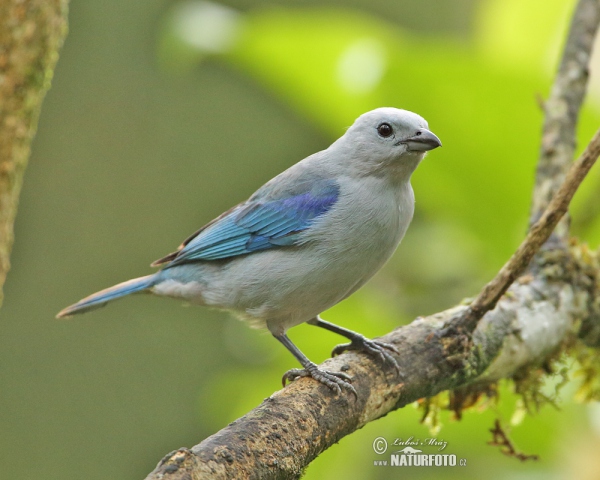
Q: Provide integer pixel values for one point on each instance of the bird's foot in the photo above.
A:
(378, 349)
(336, 381)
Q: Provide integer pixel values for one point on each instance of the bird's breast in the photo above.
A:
(369, 216)
(363, 230)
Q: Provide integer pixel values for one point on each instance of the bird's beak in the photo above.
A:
(421, 142)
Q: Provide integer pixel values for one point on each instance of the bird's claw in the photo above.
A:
(376, 348)
(336, 381)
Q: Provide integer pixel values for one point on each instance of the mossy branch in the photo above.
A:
(31, 34)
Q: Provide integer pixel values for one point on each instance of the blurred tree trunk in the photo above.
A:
(31, 34)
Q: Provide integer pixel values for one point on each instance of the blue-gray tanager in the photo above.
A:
(305, 241)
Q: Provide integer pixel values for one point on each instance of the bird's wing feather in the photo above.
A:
(259, 224)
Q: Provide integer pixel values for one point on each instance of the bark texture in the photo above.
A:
(31, 34)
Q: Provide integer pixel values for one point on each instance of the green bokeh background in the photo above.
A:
(143, 139)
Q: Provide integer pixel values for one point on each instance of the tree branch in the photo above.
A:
(279, 438)
(31, 34)
(555, 183)
(562, 110)
(537, 235)
(501, 332)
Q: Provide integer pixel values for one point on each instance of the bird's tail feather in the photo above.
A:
(101, 298)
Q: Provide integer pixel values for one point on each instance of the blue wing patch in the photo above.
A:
(259, 225)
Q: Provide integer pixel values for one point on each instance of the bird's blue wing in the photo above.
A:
(259, 224)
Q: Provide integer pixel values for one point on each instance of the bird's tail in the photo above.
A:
(101, 298)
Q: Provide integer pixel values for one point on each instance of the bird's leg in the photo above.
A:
(334, 380)
(359, 342)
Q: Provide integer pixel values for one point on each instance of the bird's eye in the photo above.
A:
(385, 130)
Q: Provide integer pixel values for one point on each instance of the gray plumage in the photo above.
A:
(305, 241)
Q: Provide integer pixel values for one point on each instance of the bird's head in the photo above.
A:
(388, 139)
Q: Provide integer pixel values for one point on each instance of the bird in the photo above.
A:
(303, 242)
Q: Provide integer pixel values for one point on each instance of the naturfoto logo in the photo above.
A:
(410, 456)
